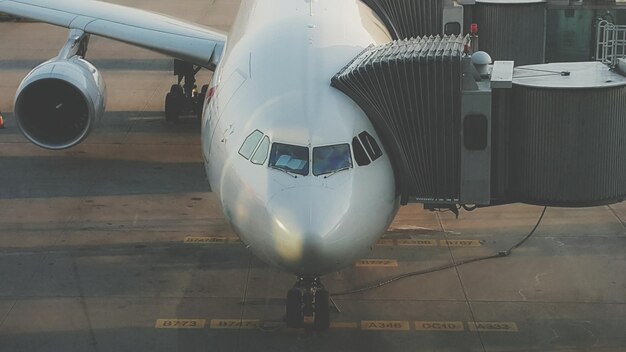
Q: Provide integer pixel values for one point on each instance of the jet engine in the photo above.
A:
(59, 101)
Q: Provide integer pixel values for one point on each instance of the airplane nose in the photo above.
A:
(305, 223)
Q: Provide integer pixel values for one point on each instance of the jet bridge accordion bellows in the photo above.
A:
(411, 91)
(409, 18)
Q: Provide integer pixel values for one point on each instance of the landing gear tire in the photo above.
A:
(173, 103)
(295, 314)
(200, 101)
(177, 89)
(171, 112)
(308, 299)
(322, 310)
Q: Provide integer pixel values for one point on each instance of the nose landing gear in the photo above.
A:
(308, 299)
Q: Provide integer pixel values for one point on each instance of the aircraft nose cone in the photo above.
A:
(306, 221)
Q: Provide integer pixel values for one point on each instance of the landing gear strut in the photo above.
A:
(308, 298)
(183, 98)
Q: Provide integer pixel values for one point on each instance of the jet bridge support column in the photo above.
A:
(478, 98)
(475, 137)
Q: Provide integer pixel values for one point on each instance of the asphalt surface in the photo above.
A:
(119, 245)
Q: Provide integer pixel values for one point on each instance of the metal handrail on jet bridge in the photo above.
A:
(610, 43)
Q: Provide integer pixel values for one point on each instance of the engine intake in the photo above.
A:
(59, 101)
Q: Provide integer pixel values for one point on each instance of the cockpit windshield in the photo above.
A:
(331, 159)
(290, 158)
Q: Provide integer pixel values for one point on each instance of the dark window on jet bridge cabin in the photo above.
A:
(475, 129)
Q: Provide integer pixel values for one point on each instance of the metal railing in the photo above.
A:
(610, 43)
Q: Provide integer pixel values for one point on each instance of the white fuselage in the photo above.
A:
(275, 77)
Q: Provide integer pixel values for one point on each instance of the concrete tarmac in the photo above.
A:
(119, 245)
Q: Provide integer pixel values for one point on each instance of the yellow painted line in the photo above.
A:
(439, 326)
(180, 323)
(343, 325)
(419, 243)
(493, 326)
(234, 240)
(234, 324)
(385, 242)
(380, 263)
(385, 325)
(460, 243)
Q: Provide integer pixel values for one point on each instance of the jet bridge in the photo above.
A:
(460, 131)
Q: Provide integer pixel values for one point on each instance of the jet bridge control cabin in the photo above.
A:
(461, 131)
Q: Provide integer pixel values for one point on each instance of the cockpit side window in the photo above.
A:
(360, 156)
(331, 159)
(366, 149)
(372, 148)
(250, 144)
(260, 156)
(290, 158)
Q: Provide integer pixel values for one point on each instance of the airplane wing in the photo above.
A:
(193, 43)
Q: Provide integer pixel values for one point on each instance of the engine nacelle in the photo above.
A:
(58, 102)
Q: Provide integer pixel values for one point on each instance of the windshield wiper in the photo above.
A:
(336, 171)
(285, 171)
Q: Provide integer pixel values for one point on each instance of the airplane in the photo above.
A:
(297, 166)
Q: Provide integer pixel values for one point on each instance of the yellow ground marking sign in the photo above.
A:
(439, 326)
(419, 243)
(212, 240)
(493, 326)
(385, 242)
(206, 240)
(343, 325)
(460, 243)
(180, 323)
(413, 242)
(234, 324)
(385, 325)
(380, 263)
